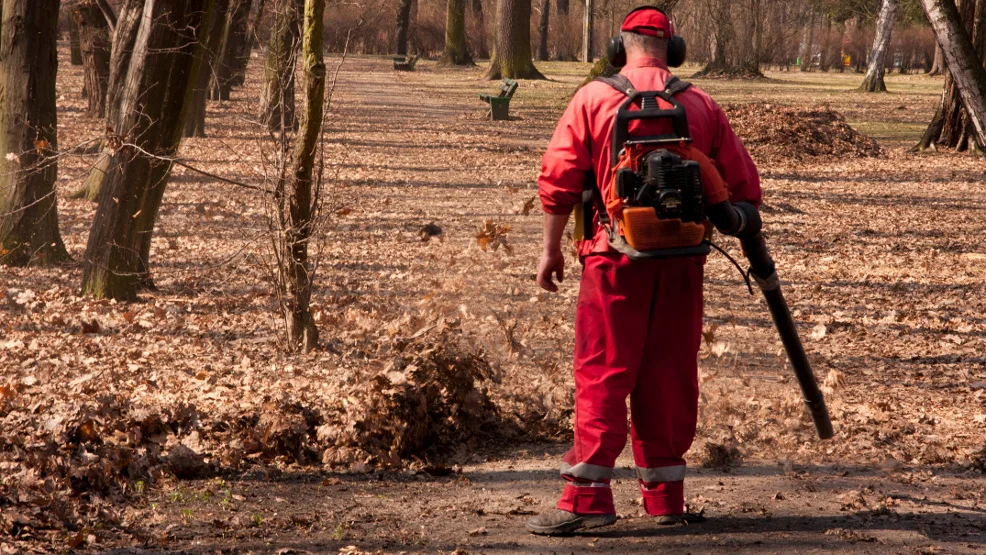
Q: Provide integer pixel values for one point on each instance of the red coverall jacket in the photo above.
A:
(638, 324)
(584, 134)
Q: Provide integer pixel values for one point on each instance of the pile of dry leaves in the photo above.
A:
(431, 397)
(775, 132)
(68, 460)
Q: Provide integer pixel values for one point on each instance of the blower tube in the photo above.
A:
(742, 220)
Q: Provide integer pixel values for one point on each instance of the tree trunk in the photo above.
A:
(543, 31)
(482, 50)
(873, 82)
(252, 39)
(195, 118)
(155, 43)
(74, 43)
(456, 50)
(29, 133)
(299, 197)
(95, 42)
(403, 26)
(234, 51)
(277, 109)
(825, 62)
(587, 30)
(512, 56)
(938, 66)
(959, 121)
(809, 46)
(732, 53)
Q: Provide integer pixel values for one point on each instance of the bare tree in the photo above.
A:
(297, 193)
(403, 26)
(95, 43)
(28, 133)
(542, 54)
(195, 111)
(456, 51)
(277, 108)
(234, 51)
(512, 56)
(874, 82)
(961, 119)
(155, 43)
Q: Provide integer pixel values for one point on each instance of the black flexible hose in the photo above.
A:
(743, 220)
(764, 273)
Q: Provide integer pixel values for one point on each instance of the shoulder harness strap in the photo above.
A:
(621, 84)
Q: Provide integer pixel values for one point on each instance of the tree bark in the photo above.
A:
(234, 51)
(807, 53)
(29, 133)
(587, 30)
(512, 56)
(195, 118)
(277, 108)
(300, 198)
(403, 26)
(74, 43)
(938, 66)
(156, 43)
(734, 54)
(543, 30)
(874, 82)
(456, 51)
(959, 121)
(95, 42)
(482, 50)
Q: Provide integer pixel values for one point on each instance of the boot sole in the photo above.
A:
(581, 523)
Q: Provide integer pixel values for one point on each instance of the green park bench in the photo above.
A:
(500, 104)
(405, 63)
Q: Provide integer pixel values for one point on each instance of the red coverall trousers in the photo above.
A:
(638, 327)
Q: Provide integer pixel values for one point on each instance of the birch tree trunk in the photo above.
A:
(873, 82)
(156, 42)
(28, 133)
(456, 51)
(938, 66)
(587, 30)
(299, 191)
(959, 122)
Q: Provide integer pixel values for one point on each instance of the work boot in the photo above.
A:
(558, 521)
(684, 518)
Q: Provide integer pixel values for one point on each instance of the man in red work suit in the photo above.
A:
(638, 323)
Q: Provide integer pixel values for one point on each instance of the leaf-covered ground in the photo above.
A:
(178, 423)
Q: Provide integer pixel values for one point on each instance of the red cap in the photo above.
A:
(648, 22)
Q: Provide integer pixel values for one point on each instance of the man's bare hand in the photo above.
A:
(552, 263)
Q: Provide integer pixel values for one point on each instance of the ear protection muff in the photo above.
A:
(616, 51)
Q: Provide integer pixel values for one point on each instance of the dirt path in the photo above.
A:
(760, 506)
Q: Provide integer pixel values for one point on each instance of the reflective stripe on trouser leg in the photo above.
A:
(587, 490)
(587, 498)
(663, 489)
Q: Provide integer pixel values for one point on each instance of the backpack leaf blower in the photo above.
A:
(664, 200)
